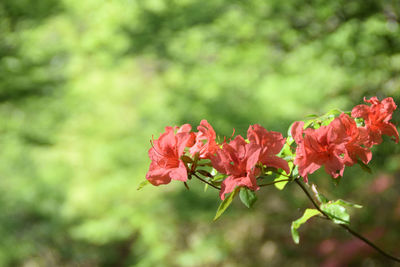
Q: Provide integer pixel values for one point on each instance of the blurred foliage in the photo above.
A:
(85, 84)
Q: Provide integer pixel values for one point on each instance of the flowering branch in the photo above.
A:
(240, 166)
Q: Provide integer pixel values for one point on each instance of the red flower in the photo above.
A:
(323, 146)
(205, 141)
(165, 155)
(271, 143)
(376, 118)
(238, 160)
(354, 138)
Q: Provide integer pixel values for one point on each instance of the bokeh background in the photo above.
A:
(85, 84)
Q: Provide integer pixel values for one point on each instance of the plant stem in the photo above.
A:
(275, 182)
(351, 231)
(204, 181)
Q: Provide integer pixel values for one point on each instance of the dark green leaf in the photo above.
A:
(225, 204)
(205, 173)
(297, 223)
(364, 167)
(186, 185)
(186, 159)
(247, 196)
(337, 180)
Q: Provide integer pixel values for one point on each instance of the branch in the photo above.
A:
(351, 231)
(275, 182)
(204, 181)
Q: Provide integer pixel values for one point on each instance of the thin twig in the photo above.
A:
(275, 182)
(204, 181)
(351, 231)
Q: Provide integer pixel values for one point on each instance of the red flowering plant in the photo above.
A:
(239, 166)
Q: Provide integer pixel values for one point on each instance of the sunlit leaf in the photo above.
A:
(297, 223)
(281, 177)
(312, 116)
(321, 198)
(225, 203)
(205, 187)
(346, 203)
(336, 212)
(334, 112)
(143, 184)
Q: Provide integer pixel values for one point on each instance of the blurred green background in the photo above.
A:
(85, 84)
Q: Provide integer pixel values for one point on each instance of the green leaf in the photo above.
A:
(217, 180)
(348, 204)
(225, 204)
(312, 116)
(205, 173)
(289, 132)
(337, 180)
(364, 166)
(186, 159)
(334, 112)
(321, 198)
(336, 212)
(286, 151)
(280, 185)
(280, 177)
(247, 196)
(143, 184)
(297, 223)
(327, 120)
(295, 171)
(307, 123)
(205, 187)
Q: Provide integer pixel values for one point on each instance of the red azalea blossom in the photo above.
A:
(165, 155)
(238, 160)
(355, 137)
(205, 141)
(322, 146)
(271, 143)
(376, 118)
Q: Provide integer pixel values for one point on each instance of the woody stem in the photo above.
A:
(351, 231)
(204, 181)
(274, 182)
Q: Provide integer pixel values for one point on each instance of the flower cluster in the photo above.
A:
(240, 160)
(343, 142)
(339, 141)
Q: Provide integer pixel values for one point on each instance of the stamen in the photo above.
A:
(152, 145)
